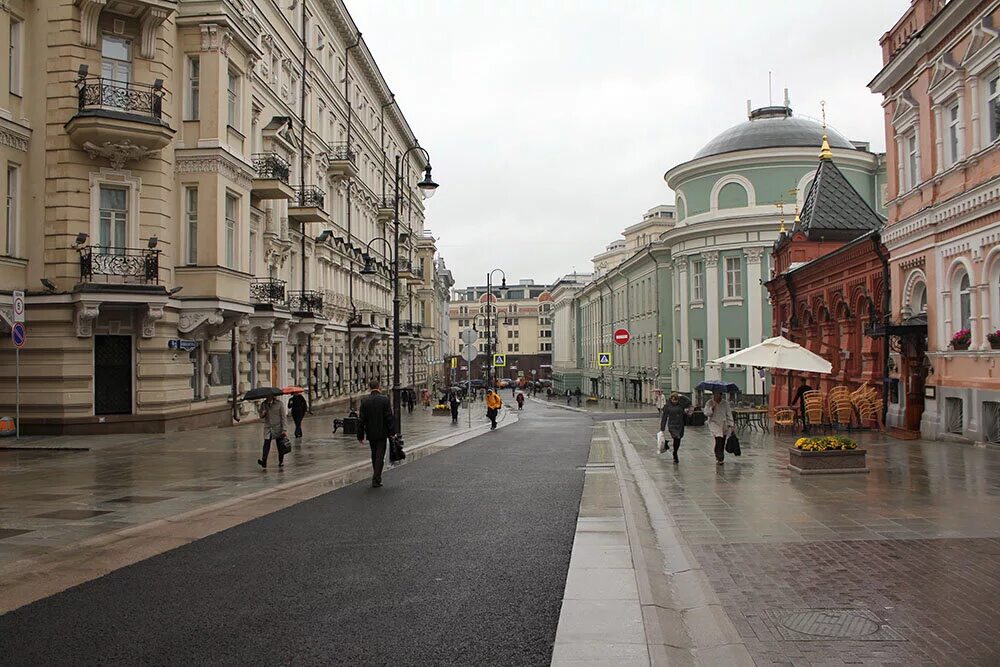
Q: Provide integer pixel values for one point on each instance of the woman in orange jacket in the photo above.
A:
(493, 405)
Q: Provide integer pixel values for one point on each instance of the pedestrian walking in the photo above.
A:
(453, 403)
(298, 406)
(272, 413)
(672, 420)
(376, 422)
(493, 405)
(569, 396)
(720, 423)
(425, 397)
(411, 400)
(659, 400)
(578, 395)
(520, 401)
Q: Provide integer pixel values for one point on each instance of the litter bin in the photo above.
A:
(7, 427)
(350, 425)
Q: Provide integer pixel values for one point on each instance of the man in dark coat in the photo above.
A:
(800, 394)
(298, 407)
(375, 420)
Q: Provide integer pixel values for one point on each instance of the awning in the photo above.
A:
(915, 326)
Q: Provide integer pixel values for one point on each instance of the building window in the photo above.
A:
(510, 347)
(252, 253)
(116, 58)
(993, 107)
(964, 302)
(222, 369)
(733, 345)
(194, 87)
(698, 352)
(233, 100)
(517, 347)
(113, 219)
(510, 334)
(231, 230)
(734, 278)
(13, 212)
(912, 162)
(197, 386)
(191, 224)
(954, 134)
(14, 57)
(697, 278)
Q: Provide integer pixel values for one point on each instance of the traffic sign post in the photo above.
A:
(622, 336)
(19, 307)
(499, 360)
(604, 359)
(18, 335)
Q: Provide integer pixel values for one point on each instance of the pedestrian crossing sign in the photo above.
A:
(603, 359)
(499, 359)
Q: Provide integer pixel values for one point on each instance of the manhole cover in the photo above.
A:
(820, 624)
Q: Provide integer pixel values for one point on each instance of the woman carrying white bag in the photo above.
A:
(672, 421)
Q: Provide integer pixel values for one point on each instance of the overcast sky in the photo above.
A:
(550, 123)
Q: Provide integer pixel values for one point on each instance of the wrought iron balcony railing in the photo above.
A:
(136, 266)
(131, 98)
(267, 290)
(309, 302)
(309, 196)
(270, 166)
(342, 151)
(387, 202)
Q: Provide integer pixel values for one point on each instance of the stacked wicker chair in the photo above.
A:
(815, 409)
(783, 418)
(841, 407)
(868, 406)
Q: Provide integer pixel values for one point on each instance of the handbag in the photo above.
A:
(733, 445)
(284, 446)
(396, 452)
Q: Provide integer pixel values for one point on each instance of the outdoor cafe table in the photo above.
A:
(750, 418)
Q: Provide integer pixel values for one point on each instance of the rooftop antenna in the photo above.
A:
(748, 108)
(788, 102)
(770, 101)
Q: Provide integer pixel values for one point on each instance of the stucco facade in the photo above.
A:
(939, 84)
(163, 182)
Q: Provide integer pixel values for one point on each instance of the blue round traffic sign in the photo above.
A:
(18, 334)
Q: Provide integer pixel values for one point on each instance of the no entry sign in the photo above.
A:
(622, 336)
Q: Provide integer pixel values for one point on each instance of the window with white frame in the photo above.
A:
(252, 249)
(698, 353)
(12, 227)
(233, 99)
(14, 56)
(193, 87)
(112, 223)
(232, 231)
(964, 301)
(697, 281)
(734, 278)
(733, 345)
(911, 160)
(993, 107)
(953, 118)
(191, 225)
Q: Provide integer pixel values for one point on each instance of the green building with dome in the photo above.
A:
(693, 292)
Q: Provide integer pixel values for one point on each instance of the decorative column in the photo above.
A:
(973, 82)
(712, 371)
(939, 139)
(945, 330)
(755, 304)
(984, 308)
(684, 363)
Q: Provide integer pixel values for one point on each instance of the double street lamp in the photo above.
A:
(427, 187)
(490, 309)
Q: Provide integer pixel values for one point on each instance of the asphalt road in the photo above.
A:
(461, 558)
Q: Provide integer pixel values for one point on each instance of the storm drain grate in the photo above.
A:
(827, 624)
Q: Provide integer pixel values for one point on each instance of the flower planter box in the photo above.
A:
(960, 346)
(995, 346)
(828, 462)
(441, 411)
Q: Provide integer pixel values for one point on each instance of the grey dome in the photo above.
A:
(772, 127)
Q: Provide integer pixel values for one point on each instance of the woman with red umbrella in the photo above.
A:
(298, 406)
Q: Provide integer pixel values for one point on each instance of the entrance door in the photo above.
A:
(594, 389)
(915, 371)
(112, 375)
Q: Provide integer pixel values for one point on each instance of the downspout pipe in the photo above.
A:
(302, 189)
(877, 245)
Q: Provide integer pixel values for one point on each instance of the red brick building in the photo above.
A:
(828, 285)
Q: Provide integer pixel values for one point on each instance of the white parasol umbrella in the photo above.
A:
(778, 352)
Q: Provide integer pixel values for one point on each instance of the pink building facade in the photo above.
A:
(940, 84)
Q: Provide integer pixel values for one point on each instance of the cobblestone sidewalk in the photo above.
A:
(897, 567)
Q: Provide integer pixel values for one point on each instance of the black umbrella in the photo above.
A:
(262, 392)
(717, 385)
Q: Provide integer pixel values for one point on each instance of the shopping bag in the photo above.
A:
(396, 452)
(660, 439)
(733, 445)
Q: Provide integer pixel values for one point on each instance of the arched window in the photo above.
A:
(681, 207)
(918, 299)
(964, 301)
(733, 195)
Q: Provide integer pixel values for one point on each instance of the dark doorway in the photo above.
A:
(112, 375)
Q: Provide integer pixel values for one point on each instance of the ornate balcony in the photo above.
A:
(410, 272)
(119, 121)
(268, 290)
(305, 303)
(306, 204)
(271, 180)
(386, 208)
(120, 266)
(343, 160)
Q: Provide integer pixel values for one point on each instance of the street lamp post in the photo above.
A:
(491, 343)
(427, 187)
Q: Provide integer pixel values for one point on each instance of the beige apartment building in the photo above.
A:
(520, 324)
(190, 196)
